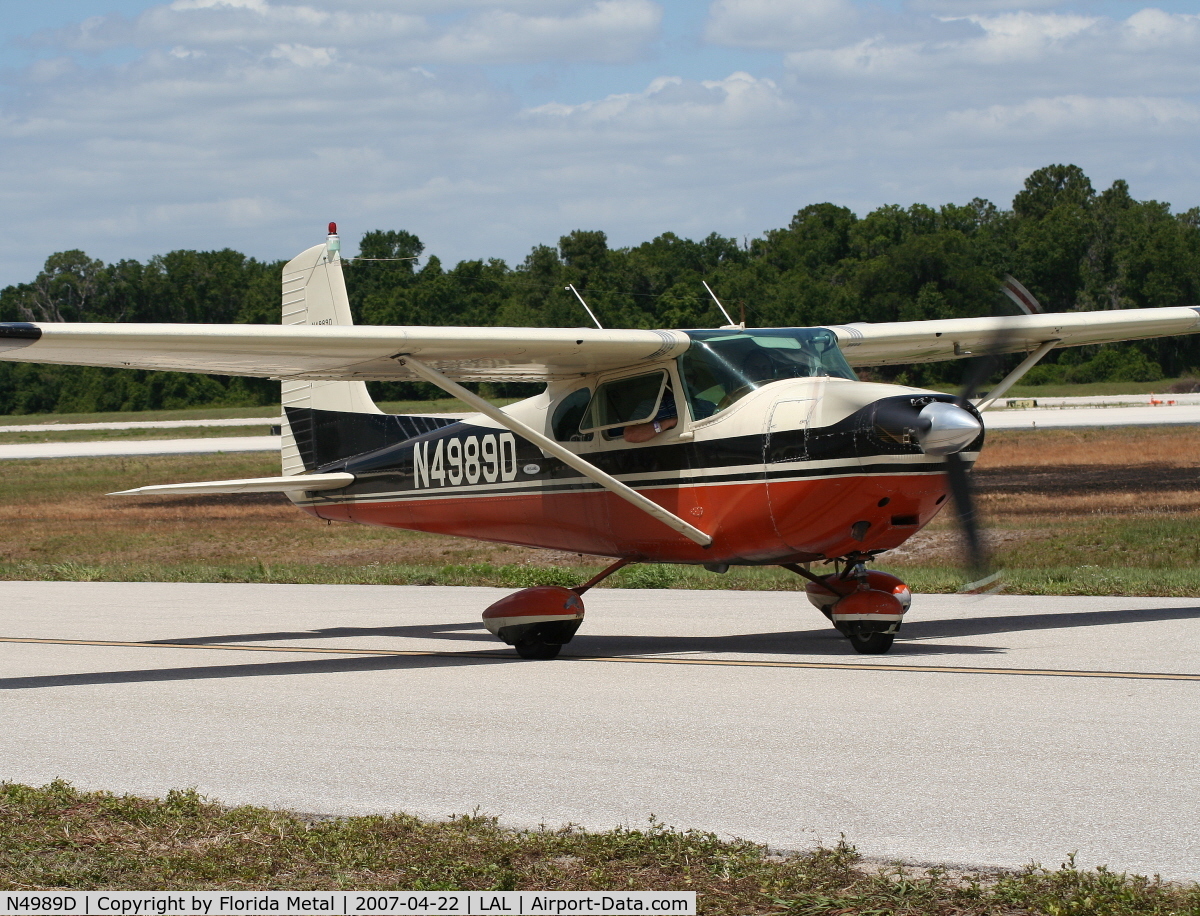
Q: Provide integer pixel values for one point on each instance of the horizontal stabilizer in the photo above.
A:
(292, 484)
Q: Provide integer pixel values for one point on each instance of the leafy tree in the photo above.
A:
(65, 289)
(1074, 248)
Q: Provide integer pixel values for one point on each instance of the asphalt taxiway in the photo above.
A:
(999, 731)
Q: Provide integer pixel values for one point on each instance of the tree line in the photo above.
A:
(1073, 247)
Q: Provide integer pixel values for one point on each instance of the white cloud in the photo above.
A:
(1081, 116)
(973, 7)
(728, 103)
(780, 24)
(1008, 56)
(607, 30)
(303, 55)
(600, 30)
(252, 123)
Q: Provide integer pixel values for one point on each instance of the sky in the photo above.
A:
(131, 128)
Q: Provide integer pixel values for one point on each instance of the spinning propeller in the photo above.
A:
(945, 429)
(983, 577)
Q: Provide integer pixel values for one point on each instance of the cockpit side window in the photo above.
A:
(569, 414)
(625, 401)
(721, 367)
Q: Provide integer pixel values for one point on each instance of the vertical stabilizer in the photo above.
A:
(314, 292)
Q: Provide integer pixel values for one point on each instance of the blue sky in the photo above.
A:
(129, 128)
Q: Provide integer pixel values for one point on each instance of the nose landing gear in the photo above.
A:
(866, 606)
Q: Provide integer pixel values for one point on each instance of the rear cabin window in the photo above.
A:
(722, 367)
(569, 414)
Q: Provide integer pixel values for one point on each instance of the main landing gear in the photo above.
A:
(866, 606)
(539, 621)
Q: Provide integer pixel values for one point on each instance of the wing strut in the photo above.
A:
(566, 456)
(1013, 377)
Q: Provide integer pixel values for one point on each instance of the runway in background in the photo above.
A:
(1051, 413)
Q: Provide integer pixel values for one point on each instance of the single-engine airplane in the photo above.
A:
(734, 446)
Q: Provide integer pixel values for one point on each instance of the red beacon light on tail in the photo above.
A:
(334, 244)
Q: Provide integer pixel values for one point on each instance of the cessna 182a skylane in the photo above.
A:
(717, 447)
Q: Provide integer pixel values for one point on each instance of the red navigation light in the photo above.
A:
(333, 228)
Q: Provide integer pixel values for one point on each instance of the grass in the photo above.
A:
(59, 837)
(141, 416)
(1129, 534)
(1048, 580)
(49, 434)
(1089, 389)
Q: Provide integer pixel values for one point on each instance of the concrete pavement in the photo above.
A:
(1068, 417)
(999, 730)
(119, 447)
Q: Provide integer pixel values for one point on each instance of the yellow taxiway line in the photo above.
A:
(500, 656)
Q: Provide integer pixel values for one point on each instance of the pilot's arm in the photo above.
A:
(666, 418)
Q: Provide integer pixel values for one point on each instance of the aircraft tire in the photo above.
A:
(535, 649)
(871, 643)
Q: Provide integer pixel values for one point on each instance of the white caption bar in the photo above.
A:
(344, 903)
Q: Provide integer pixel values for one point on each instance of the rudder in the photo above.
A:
(314, 293)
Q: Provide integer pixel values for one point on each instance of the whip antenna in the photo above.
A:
(571, 287)
(721, 307)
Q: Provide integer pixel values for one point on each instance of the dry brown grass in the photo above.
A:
(1168, 446)
(1115, 503)
(1047, 497)
(57, 512)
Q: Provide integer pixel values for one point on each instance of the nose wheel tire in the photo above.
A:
(535, 649)
(871, 643)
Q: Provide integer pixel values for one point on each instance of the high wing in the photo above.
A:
(952, 338)
(530, 354)
(325, 352)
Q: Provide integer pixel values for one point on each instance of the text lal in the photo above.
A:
(537, 904)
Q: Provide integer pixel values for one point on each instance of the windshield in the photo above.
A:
(722, 366)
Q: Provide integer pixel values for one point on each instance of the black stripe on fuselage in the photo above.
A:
(326, 437)
(388, 473)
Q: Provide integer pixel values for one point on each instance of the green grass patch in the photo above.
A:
(59, 837)
(1062, 580)
(39, 481)
(1089, 389)
(50, 434)
(1080, 390)
(142, 416)
(483, 574)
(1056, 580)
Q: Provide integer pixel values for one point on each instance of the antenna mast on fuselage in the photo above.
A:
(722, 308)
